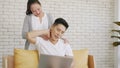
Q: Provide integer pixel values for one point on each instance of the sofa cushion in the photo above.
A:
(25, 58)
(81, 58)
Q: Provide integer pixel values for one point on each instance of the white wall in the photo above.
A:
(90, 25)
(117, 18)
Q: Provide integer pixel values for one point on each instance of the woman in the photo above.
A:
(35, 19)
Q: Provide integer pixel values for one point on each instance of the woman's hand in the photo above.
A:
(46, 34)
(65, 40)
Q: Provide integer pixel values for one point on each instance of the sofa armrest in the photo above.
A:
(4, 62)
(91, 61)
(8, 61)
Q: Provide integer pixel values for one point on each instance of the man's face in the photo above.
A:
(57, 31)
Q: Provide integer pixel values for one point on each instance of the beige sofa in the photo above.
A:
(8, 61)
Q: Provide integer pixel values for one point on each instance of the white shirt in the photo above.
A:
(59, 49)
(37, 25)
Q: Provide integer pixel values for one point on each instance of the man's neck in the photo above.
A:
(53, 41)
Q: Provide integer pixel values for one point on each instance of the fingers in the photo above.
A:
(65, 40)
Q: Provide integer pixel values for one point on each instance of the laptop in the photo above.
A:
(50, 61)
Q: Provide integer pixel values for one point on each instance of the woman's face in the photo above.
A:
(36, 9)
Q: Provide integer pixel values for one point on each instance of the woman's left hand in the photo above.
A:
(65, 40)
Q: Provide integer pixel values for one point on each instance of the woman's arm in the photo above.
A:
(31, 36)
(26, 27)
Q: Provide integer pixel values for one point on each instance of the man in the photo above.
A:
(54, 45)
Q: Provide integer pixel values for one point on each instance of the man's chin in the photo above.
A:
(56, 39)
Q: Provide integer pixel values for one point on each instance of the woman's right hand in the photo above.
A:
(46, 34)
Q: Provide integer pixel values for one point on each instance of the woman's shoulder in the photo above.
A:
(28, 15)
(48, 14)
(50, 17)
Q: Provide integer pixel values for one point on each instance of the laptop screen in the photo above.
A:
(50, 61)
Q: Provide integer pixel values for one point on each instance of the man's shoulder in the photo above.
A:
(62, 42)
(41, 39)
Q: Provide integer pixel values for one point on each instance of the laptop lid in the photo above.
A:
(50, 61)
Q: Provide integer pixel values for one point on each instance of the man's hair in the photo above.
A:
(61, 21)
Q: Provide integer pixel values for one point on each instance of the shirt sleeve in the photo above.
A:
(38, 43)
(50, 20)
(68, 50)
(26, 27)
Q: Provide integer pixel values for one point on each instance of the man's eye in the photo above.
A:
(33, 11)
(58, 29)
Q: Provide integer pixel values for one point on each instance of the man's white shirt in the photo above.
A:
(58, 49)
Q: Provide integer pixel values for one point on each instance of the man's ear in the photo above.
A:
(51, 30)
(52, 27)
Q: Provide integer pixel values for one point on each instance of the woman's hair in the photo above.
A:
(29, 3)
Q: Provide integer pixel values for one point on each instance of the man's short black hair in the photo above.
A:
(61, 21)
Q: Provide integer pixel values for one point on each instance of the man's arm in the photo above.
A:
(31, 36)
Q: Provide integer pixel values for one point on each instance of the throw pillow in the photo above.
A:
(25, 58)
(81, 58)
